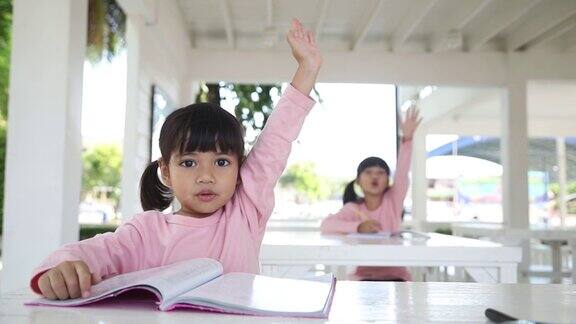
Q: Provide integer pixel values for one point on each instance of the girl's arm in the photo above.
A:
(105, 254)
(401, 181)
(344, 221)
(267, 159)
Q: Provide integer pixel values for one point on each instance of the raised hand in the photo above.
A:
(306, 52)
(410, 123)
(69, 279)
(303, 45)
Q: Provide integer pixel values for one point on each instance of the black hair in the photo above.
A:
(203, 127)
(349, 192)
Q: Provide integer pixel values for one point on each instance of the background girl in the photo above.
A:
(381, 207)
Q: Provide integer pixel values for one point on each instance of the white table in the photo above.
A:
(310, 248)
(415, 302)
(555, 237)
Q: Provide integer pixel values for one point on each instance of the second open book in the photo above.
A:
(200, 284)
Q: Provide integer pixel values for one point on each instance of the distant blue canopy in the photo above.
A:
(542, 152)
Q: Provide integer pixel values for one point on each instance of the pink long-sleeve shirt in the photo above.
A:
(232, 235)
(389, 214)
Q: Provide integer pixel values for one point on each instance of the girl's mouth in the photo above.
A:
(206, 195)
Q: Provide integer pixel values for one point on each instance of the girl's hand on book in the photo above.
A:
(69, 279)
(410, 123)
(304, 47)
(369, 226)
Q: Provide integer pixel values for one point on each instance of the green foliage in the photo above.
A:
(5, 28)
(88, 231)
(570, 188)
(254, 103)
(5, 44)
(106, 30)
(303, 178)
(102, 167)
(444, 230)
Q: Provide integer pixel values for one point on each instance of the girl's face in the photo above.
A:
(201, 181)
(373, 181)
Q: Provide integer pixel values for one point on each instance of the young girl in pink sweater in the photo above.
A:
(382, 205)
(226, 201)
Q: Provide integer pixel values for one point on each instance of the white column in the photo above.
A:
(43, 157)
(514, 150)
(419, 180)
(561, 154)
(131, 164)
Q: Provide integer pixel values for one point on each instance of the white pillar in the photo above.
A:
(561, 153)
(137, 106)
(514, 150)
(43, 157)
(419, 180)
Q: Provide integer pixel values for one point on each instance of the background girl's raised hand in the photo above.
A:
(410, 123)
(306, 52)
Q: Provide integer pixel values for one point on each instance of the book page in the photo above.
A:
(166, 282)
(256, 294)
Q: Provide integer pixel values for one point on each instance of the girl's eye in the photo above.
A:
(222, 162)
(188, 163)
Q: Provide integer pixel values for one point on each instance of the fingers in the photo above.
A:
(96, 279)
(45, 287)
(58, 284)
(68, 271)
(84, 278)
(312, 38)
(298, 31)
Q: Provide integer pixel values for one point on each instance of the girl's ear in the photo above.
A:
(165, 171)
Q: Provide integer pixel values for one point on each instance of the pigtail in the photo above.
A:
(154, 195)
(349, 193)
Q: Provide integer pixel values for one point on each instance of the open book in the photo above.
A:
(384, 235)
(200, 284)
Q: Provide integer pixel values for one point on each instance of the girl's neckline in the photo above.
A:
(194, 221)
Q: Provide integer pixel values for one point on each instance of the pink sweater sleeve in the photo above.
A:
(397, 192)
(105, 254)
(345, 221)
(267, 159)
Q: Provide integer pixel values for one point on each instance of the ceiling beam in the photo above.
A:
(269, 13)
(409, 25)
(227, 16)
(549, 16)
(473, 14)
(559, 30)
(321, 19)
(498, 22)
(363, 31)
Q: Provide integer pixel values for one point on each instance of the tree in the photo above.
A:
(106, 30)
(254, 103)
(303, 178)
(102, 165)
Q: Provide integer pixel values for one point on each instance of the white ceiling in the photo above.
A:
(551, 108)
(390, 25)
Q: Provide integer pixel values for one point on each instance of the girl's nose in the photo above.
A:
(204, 176)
